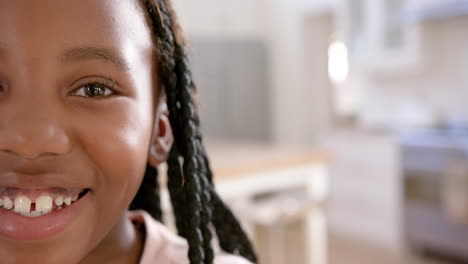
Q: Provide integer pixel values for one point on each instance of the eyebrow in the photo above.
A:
(94, 53)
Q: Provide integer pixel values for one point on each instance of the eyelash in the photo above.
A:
(104, 83)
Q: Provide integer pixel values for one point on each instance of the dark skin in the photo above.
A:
(51, 51)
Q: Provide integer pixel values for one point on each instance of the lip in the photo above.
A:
(34, 193)
(17, 227)
(40, 181)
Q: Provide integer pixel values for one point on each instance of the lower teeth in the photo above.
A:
(32, 214)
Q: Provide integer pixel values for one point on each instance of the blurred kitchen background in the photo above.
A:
(338, 129)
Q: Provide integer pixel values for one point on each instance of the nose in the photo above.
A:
(32, 131)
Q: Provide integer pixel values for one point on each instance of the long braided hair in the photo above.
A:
(197, 207)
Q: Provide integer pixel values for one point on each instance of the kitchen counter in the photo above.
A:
(231, 160)
(244, 169)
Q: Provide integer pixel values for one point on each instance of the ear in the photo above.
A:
(162, 138)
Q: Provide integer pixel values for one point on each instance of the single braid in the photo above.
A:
(195, 203)
(231, 236)
(194, 150)
(207, 212)
(192, 167)
(148, 198)
(176, 192)
(181, 117)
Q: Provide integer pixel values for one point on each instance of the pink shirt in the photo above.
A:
(163, 247)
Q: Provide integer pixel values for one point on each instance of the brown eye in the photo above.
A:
(93, 90)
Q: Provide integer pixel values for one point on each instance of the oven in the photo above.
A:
(435, 170)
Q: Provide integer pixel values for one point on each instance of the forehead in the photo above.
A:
(43, 27)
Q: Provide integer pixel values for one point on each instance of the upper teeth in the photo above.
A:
(22, 204)
(43, 205)
(59, 201)
(7, 203)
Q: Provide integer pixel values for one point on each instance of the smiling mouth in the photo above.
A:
(35, 214)
(35, 203)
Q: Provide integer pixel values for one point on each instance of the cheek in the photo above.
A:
(116, 142)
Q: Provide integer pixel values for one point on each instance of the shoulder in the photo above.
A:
(230, 259)
(164, 247)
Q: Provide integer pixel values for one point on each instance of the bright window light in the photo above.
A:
(338, 66)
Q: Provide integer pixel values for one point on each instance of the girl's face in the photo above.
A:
(77, 111)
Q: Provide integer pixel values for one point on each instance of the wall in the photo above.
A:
(296, 112)
(440, 86)
(299, 39)
(222, 18)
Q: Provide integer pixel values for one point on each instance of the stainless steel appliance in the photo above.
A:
(435, 168)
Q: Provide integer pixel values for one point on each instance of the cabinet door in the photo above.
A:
(379, 36)
(232, 77)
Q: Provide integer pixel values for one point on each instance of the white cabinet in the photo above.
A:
(365, 188)
(379, 36)
(424, 10)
